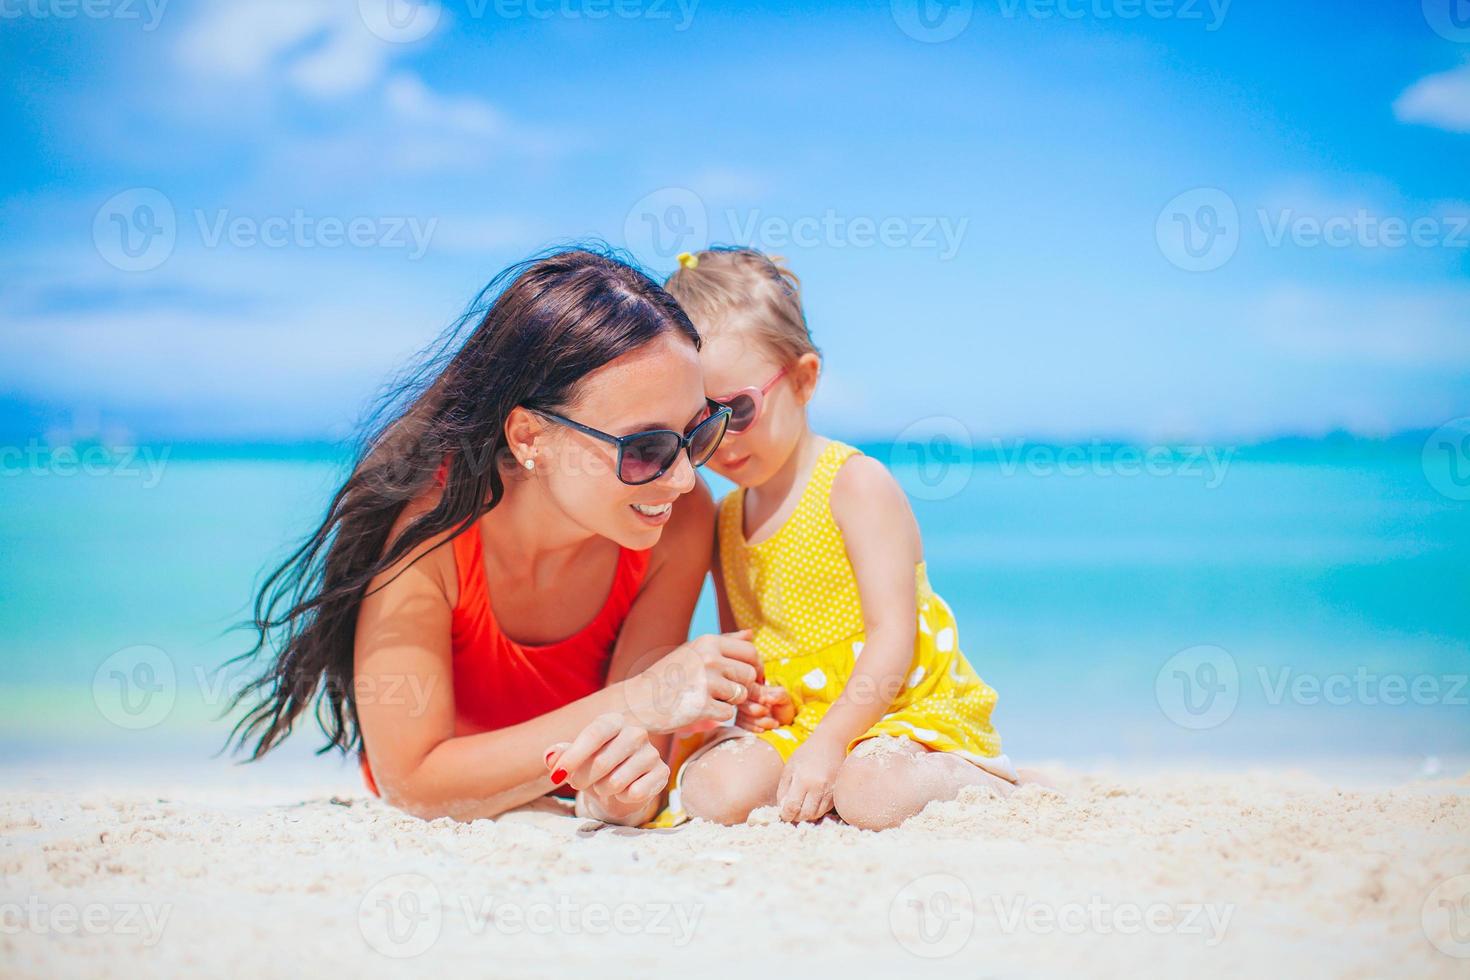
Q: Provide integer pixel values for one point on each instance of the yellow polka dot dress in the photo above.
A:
(797, 592)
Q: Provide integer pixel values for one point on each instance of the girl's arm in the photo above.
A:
(883, 545)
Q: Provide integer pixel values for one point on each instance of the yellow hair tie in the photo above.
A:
(688, 260)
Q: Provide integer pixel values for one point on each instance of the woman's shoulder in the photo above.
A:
(429, 563)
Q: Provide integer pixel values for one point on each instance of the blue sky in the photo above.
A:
(1071, 218)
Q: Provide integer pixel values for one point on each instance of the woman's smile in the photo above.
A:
(655, 515)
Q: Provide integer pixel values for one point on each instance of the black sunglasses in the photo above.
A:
(645, 456)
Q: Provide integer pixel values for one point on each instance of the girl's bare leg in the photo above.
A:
(730, 780)
(886, 780)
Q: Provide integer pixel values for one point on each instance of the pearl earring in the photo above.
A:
(530, 464)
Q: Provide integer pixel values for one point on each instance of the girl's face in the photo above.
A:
(658, 386)
(733, 360)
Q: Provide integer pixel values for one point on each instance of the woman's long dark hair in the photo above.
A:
(539, 328)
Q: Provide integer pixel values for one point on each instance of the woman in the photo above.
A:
(498, 598)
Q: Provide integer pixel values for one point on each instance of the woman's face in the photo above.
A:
(657, 386)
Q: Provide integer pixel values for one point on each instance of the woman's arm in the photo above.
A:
(404, 682)
(405, 704)
(664, 607)
(661, 614)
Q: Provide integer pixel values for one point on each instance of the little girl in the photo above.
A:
(869, 707)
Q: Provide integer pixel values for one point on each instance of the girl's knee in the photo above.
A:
(869, 791)
(730, 780)
(887, 780)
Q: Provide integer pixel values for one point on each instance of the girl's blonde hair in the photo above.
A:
(729, 285)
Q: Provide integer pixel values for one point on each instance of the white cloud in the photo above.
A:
(321, 48)
(243, 40)
(410, 100)
(1441, 100)
(348, 61)
(1425, 329)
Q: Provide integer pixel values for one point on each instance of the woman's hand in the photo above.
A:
(698, 684)
(618, 773)
(768, 706)
(805, 789)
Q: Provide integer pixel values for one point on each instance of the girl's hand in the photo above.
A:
(768, 706)
(698, 684)
(620, 776)
(805, 789)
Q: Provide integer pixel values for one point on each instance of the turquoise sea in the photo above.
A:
(1299, 599)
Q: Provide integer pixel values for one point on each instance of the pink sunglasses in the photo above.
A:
(745, 405)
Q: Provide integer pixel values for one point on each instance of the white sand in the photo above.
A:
(1270, 875)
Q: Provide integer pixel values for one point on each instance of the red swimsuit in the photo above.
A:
(499, 682)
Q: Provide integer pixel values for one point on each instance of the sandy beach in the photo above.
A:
(1271, 873)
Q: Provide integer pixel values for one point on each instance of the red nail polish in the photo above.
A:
(558, 776)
